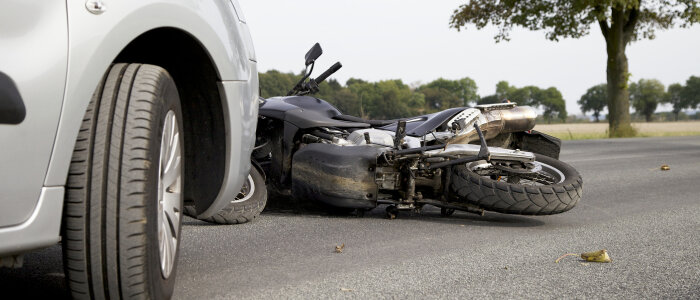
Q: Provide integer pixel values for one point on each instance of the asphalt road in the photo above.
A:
(648, 220)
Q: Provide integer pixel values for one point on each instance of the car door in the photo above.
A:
(33, 63)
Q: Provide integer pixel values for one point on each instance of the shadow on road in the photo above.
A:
(428, 214)
(41, 277)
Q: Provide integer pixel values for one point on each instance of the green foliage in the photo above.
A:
(553, 103)
(620, 22)
(691, 92)
(490, 99)
(646, 96)
(564, 19)
(274, 83)
(390, 99)
(682, 97)
(386, 99)
(437, 98)
(395, 100)
(674, 96)
(594, 100)
(443, 93)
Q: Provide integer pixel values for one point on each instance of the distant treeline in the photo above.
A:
(645, 97)
(389, 99)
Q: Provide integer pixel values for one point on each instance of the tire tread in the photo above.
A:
(518, 199)
(104, 224)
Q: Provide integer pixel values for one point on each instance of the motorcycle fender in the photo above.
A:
(340, 176)
(537, 142)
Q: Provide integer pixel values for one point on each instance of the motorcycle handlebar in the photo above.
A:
(334, 68)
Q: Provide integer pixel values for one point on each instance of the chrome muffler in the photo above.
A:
(493, 120)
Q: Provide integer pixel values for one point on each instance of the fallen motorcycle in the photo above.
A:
(470, 159)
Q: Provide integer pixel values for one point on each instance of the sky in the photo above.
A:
(411, 40)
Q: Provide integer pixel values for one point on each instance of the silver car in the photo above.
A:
(116, 117)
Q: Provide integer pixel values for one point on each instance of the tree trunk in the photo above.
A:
(597, 117)
(649, 117)
(617, 35)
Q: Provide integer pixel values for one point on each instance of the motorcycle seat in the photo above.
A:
(373, 123)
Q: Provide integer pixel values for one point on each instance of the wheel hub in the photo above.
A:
(169, 193)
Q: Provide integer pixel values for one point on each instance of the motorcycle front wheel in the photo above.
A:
(544, 187)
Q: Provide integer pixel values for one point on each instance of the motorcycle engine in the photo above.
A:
(376, 137)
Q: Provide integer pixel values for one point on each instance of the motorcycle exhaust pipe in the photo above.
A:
(519, 118)
(495, 122)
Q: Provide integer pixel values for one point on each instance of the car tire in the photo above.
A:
(247, 205)
(122, 212)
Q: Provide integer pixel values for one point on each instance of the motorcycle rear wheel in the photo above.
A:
(551, 187)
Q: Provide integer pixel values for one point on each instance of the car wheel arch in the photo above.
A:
(196, 77)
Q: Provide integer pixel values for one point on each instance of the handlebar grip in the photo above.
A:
(334, 68)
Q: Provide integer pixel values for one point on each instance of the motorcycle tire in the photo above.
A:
(495, 194)
(247, 205)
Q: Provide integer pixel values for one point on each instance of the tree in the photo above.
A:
(488, 100)
(397, 100)
(552, 102)
(674, 96)
(275, 83)
(691, 91)
(549, 100)
(443, 93)
(438, 99)
(347, 102)
(504, 91)
(367, 95)
(594, 100)
(620, 22)
(646, 95)
(387, 99)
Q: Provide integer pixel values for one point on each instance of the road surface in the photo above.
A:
(648, 220)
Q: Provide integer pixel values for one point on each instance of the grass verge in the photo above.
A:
(604, 135)
(583, 131)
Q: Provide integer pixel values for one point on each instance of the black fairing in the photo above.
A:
(305, 112)
(308, 112)
(336, 175)
(421, 125)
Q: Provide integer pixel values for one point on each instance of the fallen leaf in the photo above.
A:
(339, 249)
(345, 290)
(597, 256)
(505, 268)
(593, 256)
(665, 168)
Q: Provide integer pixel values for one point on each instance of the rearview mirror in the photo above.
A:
(313, 54)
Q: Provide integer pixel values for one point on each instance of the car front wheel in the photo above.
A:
(123, 208)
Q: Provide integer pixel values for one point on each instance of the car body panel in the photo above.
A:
(36, 62)
(241, 122)
(42, 227)
(77, 50)
(95, 40)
